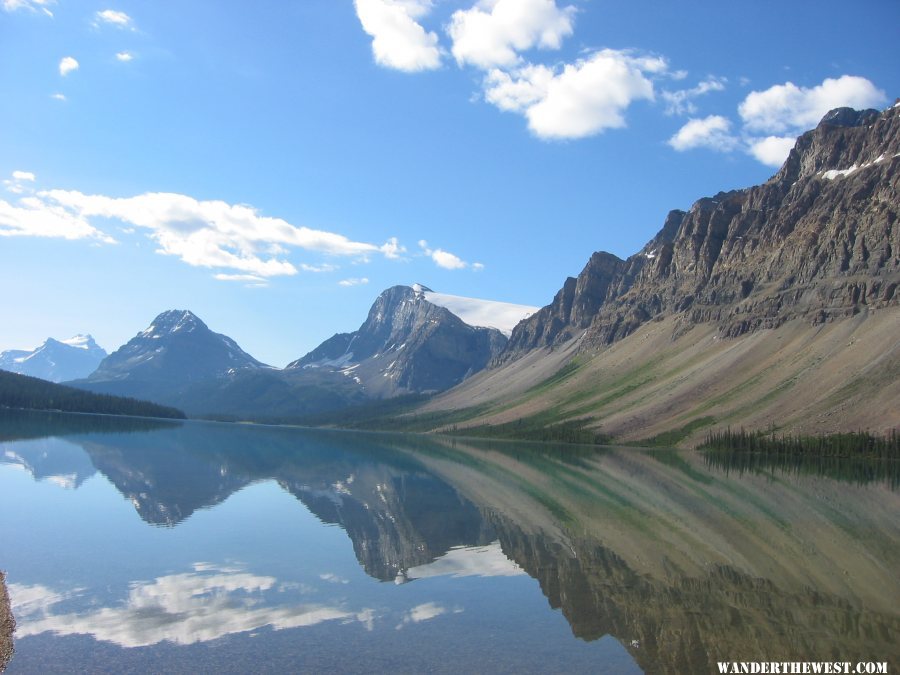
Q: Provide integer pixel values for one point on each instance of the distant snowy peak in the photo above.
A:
(81, 342)
(502, 316)
(56, 360)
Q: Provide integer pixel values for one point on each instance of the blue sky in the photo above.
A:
(273, 166)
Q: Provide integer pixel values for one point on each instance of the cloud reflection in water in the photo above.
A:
(198, 606)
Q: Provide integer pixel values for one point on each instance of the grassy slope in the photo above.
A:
(803, 379)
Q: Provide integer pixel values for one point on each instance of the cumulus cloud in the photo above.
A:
(124, 57)
(19, 183)
(32, 217)
(787, 108)
(58, 97)
(112, 17)
(355, 281)
(681, 102)
(67, 64)
(493, 32)
(211, 234)
(773, 118)
(447, 260)
(398, 40)
(772, 150)
(184, 609)
(29, 5)
(582, 99)
(713, 132)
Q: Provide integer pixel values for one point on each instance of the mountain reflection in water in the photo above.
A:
(682, 562)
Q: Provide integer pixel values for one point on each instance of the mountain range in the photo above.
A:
(410, 343)
(770, 305)
(55, 360)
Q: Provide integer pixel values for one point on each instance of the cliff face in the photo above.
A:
(406, 344)
(819, 241)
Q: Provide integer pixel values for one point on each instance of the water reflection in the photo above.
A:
(681, 560)
(204, 604)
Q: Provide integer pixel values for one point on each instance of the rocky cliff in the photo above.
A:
(819, 241)
(406, 344)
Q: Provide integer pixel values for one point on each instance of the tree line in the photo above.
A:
(850, 444)
(31, 393)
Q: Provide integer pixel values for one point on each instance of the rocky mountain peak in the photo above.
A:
(406, 344)
(819, 241)
(848, 117)
(843, 139)
(172, 321)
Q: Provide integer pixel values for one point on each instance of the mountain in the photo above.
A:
(164, 360)
(410, 343)
(772, 304)
(416, 341)
(56, 360)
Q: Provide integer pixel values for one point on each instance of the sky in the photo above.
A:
(273, 166)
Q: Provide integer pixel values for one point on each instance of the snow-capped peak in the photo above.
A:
(420, 290)
(476, 312)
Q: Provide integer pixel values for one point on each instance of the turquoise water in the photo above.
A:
(134, 546)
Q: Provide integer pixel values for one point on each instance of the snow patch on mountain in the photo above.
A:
(477, 312)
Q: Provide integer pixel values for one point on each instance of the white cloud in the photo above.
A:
(183, 609)
(66, 65)
(212, 234)
(789, 109)
(493, 32)
(324, 267)
(713, 132)
(398, 40)
(18, 184)
(58, 97)
(248, 278)
(362, 281)
(583, 99)
(445, 259)
(423, 612)
(772, 150)
(32, 217)
(30, 5)
(125, 57)
(112, 17)
(332, 578)
(681, 102)
(392, 249)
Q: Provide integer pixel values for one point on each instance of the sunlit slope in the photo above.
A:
(801, 378)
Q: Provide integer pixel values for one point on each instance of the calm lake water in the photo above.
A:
(139, 546)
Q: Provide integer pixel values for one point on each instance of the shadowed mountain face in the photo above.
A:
(683, 562)
(174, 352)
(406, 345)
(819, 242)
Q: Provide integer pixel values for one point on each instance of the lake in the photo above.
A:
(145, 546)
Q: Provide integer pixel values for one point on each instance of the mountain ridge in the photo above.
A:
(794, 271)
